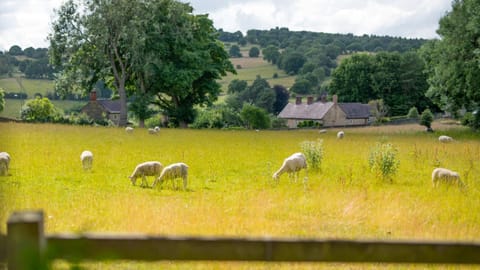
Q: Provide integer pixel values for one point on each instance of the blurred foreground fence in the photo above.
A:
(26, 247)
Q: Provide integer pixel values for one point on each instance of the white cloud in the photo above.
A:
(27, 23)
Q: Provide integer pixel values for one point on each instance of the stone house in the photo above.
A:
(327, 113)
(102, 109)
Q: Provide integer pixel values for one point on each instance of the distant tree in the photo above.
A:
(2, 99)
(378, 109)
(352, 80)
(301, 86)
(242, 41)
(292, 62)
(15, 50)
(254, 52)
(29, 52)
(271, 54)
(235, 51)
(255, 117)
(237, 86)
(426, 119)
(39, 110)
(281, 98)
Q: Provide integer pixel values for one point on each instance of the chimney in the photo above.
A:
(298, 100)
(93, 95)
(335, 99)
(309, 100)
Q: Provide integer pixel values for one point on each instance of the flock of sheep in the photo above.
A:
(149, 168)
(296, 162)
(291, 165)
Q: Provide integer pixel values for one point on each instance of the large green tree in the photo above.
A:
(453, 61)
(156, 48)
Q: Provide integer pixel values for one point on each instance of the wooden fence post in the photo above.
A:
(26, 241)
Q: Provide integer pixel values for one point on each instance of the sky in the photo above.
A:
(27, 23)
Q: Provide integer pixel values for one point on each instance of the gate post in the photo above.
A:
(26, 241)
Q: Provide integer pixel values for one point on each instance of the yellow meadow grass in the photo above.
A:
(231, 191)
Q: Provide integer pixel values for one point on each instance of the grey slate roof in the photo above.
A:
(316, 110)
(355, 110)
(112, 106)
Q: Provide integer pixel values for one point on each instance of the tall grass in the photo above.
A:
(231, 192)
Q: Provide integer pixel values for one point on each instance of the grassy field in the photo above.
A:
(231, 192)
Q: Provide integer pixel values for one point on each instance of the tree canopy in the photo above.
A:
(453, 61)
(157, 47)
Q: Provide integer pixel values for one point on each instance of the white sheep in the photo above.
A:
(149, 168)
(445, 176)
(152, 131)
(322, 131)
(445, 139)
(292, 165)
(340, 135)
(156, 128)
(129, 129)
(172, 172)
(87, 160)
(4, 163)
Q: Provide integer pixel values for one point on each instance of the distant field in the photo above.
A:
(29, 86)
(251, 67)
(231, 191)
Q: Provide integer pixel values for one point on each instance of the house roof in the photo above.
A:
(112, 106)
(316, 110)
(355, 110)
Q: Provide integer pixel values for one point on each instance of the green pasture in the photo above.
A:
(231, 191)
(251, 67)
(14, 106)
(29, 86)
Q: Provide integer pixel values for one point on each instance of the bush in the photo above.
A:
(383, 160)
(313, 151)
(413, 113)
(426, 119)
(279, 122)
(39, 110)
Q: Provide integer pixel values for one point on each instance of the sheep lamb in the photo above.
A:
(149, 168)
(442, 175)
(129, 129)
(87, 160)
(292, 165)
(4, 163)
(445, 139)
(340, 135)
(172, 172)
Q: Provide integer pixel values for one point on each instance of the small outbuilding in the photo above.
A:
(102, 109)
(326, 113)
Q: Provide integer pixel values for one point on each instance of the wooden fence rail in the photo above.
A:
(27, 246)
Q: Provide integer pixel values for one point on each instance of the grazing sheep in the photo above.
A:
(340, 135)
(149, 168)
(156, 128)
(129, 129)
(292, 165)
(322, 131)
(445, 139)
(445, 176)
(87, 160)
(4, 163)
(152, 131)
(173, 171)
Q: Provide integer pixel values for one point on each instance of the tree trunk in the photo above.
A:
(141, 123)
(123, 104)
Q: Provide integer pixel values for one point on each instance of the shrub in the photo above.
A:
(383, 160)
(39, 110)
(413, 113)
(313, 151)
(426, 119)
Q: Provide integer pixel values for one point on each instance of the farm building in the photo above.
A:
(327, 113)
(102, 109)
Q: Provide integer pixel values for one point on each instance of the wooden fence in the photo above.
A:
(26, 247)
